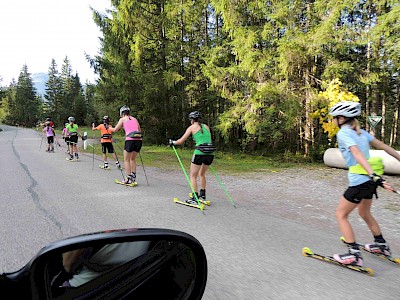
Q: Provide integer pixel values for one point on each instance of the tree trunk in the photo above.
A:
(383, 117)
(308, 130)
(393, 136)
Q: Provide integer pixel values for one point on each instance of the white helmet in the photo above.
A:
(347, 109)
(71, 119)
(124, 109)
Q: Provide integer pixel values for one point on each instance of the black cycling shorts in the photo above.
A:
(73, 139)
(202, 159)
(366, 190)
(50, 139)
(107, 147)
(133, 146)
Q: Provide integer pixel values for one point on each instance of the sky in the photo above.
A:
(33, 32)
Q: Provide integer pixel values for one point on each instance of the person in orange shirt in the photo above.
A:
(106, 142)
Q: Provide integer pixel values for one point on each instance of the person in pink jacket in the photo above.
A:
(133, 142)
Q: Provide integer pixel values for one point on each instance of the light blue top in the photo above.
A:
(348, 137)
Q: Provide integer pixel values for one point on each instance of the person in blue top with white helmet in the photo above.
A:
(363, 177)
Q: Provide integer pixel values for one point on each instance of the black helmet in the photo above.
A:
(124, 109)
(194, 115)
(106, 119)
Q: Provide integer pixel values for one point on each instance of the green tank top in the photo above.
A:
(72, 129)
(201, 138)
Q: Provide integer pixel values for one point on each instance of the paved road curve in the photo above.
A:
(254, 251)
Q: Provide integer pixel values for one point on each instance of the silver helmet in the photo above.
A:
(123, 109)
(194, 115)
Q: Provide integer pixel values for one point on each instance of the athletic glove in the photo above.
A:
(377, 179)
(171, 142)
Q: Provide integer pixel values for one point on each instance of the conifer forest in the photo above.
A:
(262, 73)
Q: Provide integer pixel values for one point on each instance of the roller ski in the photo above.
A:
(190, 202)
(201, 200)
(128, 182)
(104, 167)
(309, 253)
(375, 249)
(71, 159)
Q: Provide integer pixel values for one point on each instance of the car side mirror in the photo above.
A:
(118, 264)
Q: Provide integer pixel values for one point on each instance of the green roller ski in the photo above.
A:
(133, 184)
(102, 167)
(309, 253)
(206, 202)
(72, 160)
(201, 207)
(392, 259)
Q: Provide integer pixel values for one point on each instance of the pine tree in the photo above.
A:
(53, 94)
(26, 102)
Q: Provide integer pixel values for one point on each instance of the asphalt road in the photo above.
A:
(253, 252)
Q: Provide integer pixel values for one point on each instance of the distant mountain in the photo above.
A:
(39, 81)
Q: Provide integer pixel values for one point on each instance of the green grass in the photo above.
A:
(225, 162)
(164, 157)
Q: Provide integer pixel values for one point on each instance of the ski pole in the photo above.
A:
(94, 138)
(92, 155)
(118, 160)
(122, 173)
(187, 178)
(56, 139)
(223, 186)
(143, 168)
(41, 143)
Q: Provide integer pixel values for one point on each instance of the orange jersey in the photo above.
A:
(106, 134)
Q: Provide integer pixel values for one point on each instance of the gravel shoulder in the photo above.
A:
(308, 196)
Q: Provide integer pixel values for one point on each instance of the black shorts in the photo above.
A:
(50, 139)
(73, 139)
(366, 190)
(133, 146)
(202, 159)
(107, 146)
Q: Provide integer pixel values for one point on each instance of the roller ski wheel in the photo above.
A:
(133, 184)
(307, 251)
(205, 202)
(329, 259)
(201, 206)
(102, 167)
(390, 258)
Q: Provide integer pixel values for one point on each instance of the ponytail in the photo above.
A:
(198, 120)
(355, 124)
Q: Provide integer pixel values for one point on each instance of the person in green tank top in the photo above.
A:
(73, 133)
(203, 155)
